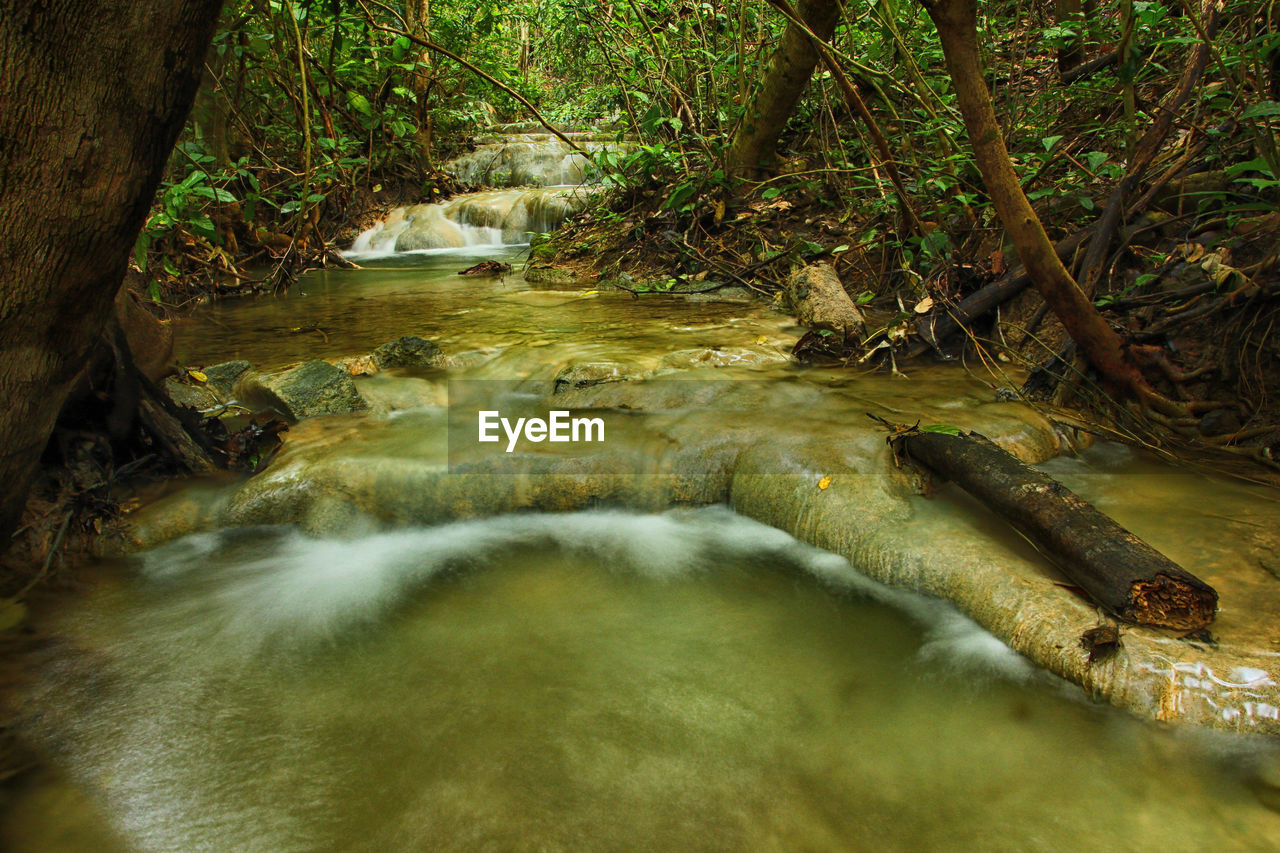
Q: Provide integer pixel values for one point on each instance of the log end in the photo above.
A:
(1166, 601)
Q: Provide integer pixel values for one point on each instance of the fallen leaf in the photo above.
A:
(12, 612)
(197, 376)
(719, 208)
(923, 306)
(824, 483)
(997, 262)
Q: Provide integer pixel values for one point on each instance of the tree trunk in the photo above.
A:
(93, 95)
(1115, 569)
(956, 21)
(754, 146)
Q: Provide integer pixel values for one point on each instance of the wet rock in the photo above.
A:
(586, 374)
(719, 357)
(386, 394)
(549, 274)
(409, 351)
(819, 300)
(314, 388)
(221, 378)
(719, 294)
(196, 397)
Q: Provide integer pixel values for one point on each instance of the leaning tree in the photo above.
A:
(93, 94)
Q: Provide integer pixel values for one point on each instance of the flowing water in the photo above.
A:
(547, 184)
(599, 680)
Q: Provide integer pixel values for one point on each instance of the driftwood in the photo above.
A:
(819, 300)
(1113, 567)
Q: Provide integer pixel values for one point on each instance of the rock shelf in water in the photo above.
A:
(831, 484)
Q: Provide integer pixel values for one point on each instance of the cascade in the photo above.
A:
(545, 181)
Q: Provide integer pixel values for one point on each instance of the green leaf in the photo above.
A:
(680, 195)
(400, 47)
(360, 104)
(1049, 141)
(945, 429)
(1255, 165)
(771, 192)
(1265, 109)
(154, 290)
(1095, 159)
(843, 247)
(140, 250)
(191, 180)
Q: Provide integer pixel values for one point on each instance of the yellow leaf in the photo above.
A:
(589, 293)
(719, 208)
(12, 612)
(197, 376)
(824, 483)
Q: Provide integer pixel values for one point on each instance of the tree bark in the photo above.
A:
(93, 94)
(754, 147)
(418, 17)
(1115, 568)
(956, 21)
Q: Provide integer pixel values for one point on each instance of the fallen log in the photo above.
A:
(1114, 568)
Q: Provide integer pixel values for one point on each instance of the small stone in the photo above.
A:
(409, 351)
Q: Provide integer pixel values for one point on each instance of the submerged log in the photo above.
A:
(1115, 568)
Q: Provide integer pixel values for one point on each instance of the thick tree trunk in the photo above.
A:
(754, 146)
(93, 95)
(956, 21)
(1116, 569)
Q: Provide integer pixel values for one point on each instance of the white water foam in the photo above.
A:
(297, 591)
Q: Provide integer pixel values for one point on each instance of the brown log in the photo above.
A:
(1115, 568)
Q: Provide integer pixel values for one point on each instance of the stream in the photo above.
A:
(395, 639)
